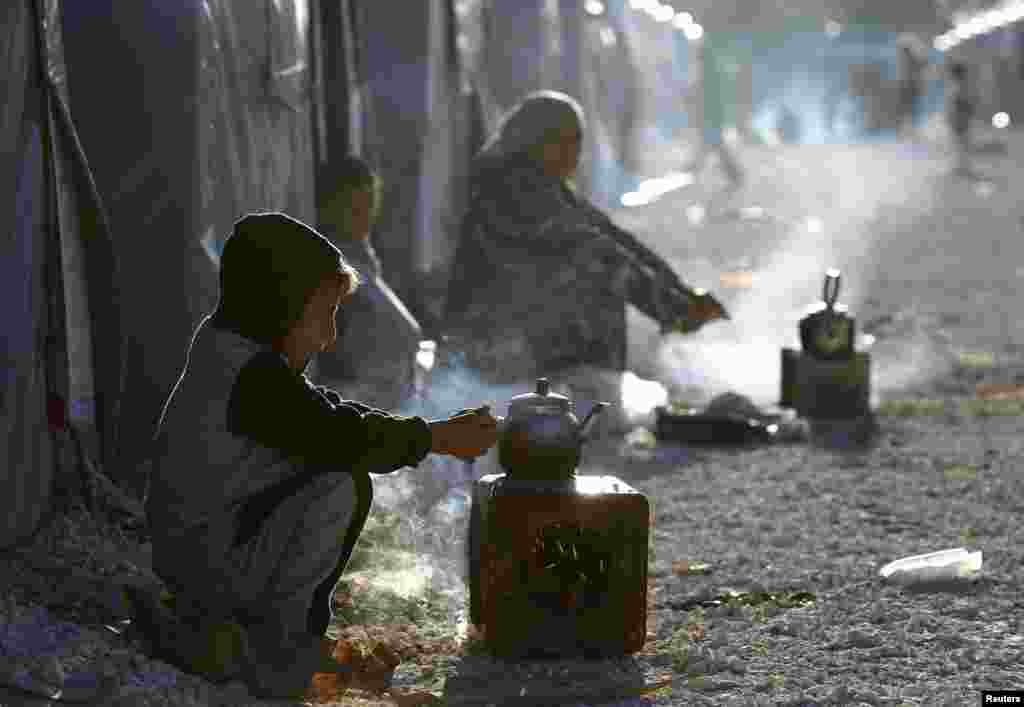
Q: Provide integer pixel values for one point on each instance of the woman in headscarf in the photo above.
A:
(541, 277)
(911, 67)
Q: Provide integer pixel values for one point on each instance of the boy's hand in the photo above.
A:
(467, 434)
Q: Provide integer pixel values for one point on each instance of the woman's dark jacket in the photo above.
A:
(541, 278)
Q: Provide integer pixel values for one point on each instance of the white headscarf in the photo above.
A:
(528, 124)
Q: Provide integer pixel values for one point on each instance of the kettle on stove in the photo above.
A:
(541, 438)
(827, 332)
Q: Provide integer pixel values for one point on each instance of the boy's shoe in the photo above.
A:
(214, 650)
(284, 669)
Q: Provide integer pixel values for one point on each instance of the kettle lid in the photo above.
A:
(841, 311)
(829, 295)
(541, 401)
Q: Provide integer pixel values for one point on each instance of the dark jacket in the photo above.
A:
(239, 425)
(378, 338)
(541, 278)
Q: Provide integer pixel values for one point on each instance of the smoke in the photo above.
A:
(910, 358)
(836, 207)
(838, 210)
(433, 500)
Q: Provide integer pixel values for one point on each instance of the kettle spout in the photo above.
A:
(588, 421)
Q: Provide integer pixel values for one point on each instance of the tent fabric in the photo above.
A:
(61, 354)
(415, 133)
(470, 130)
(338, 97)
(392, 57)
(615, 89)
(557, 47)
(435, 175)
(495, 74)
(26, 459)
(609, 94)
(131, 78)
(255, 115)
(508, 71)
(254, 109)
(210, 117)
(92, 295)
(90, 302)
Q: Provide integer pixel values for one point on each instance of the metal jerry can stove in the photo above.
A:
(558, 561)
(827, 379)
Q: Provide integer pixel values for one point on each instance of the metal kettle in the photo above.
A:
(827, 332)
(541, 438)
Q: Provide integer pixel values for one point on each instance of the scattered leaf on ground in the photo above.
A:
(911, 408)
(961, 472)
(695, 632)
(414, 698)
(327, 688)
(992, 407)
(683, 568)
(999, 391)
(650, 688)
(976, 359)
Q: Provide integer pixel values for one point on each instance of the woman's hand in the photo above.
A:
(467, 434)
(705, 308)
(700, 309)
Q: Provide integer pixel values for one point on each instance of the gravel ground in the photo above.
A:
(782, 518)
(799, 519)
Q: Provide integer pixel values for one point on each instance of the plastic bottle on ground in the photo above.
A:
(941, 566)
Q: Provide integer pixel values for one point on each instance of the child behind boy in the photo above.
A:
(260, 484)
(959, 113)
(376, 369)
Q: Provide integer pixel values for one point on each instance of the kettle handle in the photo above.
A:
(588, 421)
(830, 292)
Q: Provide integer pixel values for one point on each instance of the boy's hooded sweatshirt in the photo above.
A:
(240, 427)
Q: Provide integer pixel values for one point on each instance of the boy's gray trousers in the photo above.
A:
(287, 550)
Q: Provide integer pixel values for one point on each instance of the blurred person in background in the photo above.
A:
(787, 125)
(374, 358)
(911, 67)
(541, 277)
(960, 109)
(710, 109)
